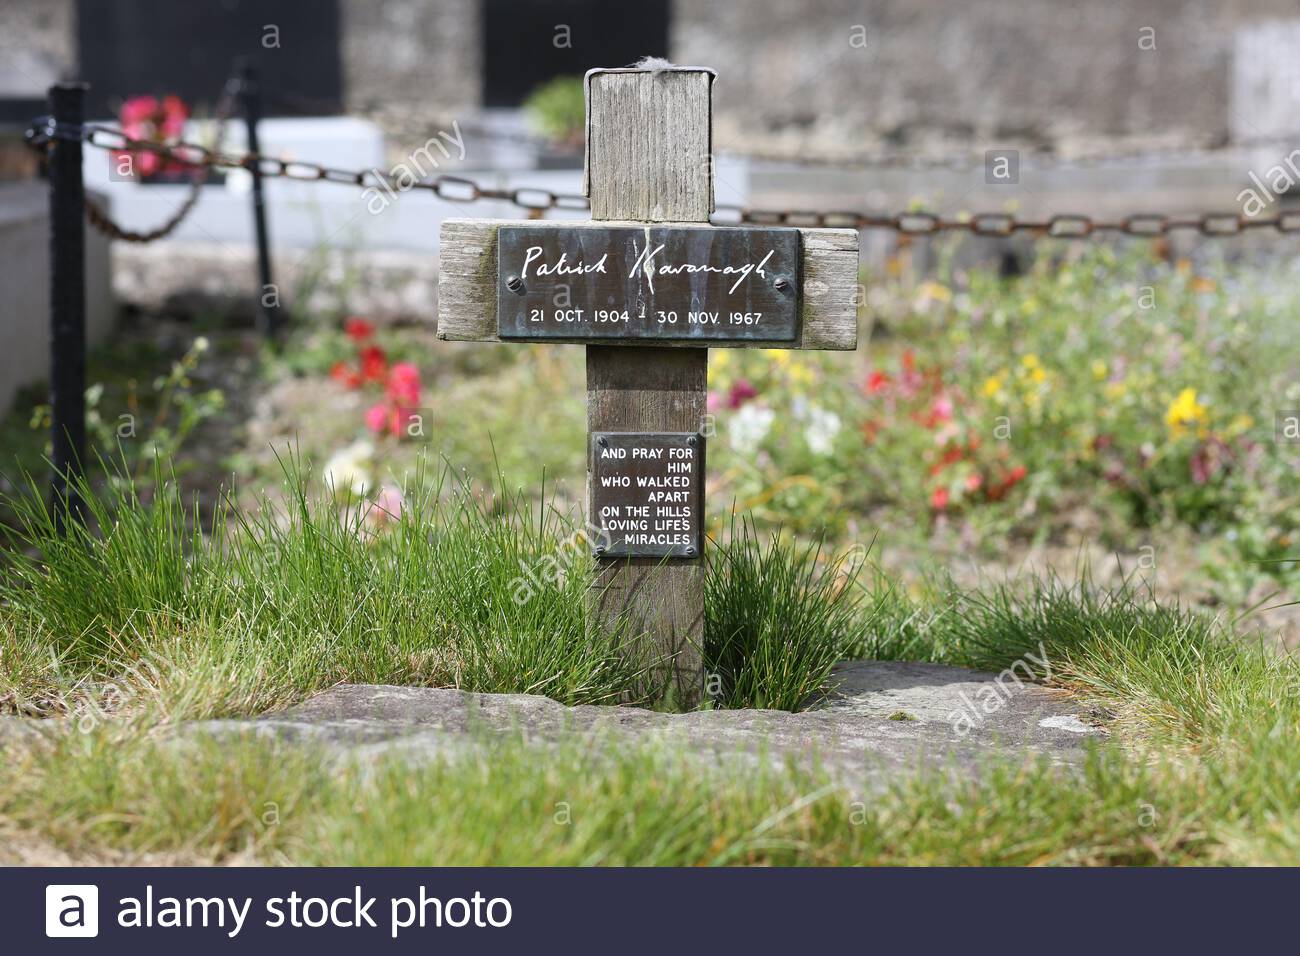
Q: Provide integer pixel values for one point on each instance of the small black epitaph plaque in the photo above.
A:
(673, 283)
(647, 493)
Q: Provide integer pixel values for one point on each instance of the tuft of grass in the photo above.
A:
(777, 618)
(1179, 673)
(468, 587)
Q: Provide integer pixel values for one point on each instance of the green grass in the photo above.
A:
(270, 606)
(1181, 676)
(145, 623)
(470, 587)
(777, 617)
(249, 802)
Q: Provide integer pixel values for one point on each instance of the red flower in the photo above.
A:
(973, 482)
(357, 329)
(342, 372)
(741, 392)
(877, 381)
(939, 499)
(1210, 457)
(374, 364)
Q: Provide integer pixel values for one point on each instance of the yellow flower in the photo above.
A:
(720, 358)
(1038, 375)
(801, 373)
(992, 385)
(1030, 360)
(1241, 424)
(1099, 370)
(1115, 390)
(933, 290)
(780, 356)
(1183, 411)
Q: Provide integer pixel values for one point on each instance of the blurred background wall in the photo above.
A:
(834, 74)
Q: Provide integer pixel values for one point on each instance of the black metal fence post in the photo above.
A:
(67, 299)
(268, 297)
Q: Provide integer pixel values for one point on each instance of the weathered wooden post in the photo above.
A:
(648, 286)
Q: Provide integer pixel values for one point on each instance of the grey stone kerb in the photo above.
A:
(882, 720)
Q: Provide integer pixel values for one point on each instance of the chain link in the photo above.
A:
(460, 189)
(192, 155)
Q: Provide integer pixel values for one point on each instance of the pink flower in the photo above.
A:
(400, 418)
(388, 504)
(942, 409)
(712, 402)
(939, 499)
(377, 418)
(147, 118)
(404, 384)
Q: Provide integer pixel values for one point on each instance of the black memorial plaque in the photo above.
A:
(712, 283)
(647, 493)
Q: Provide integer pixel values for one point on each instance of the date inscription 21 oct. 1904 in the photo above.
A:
(671, 283)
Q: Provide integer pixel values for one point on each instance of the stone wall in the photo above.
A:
(38, 45)
(831, 75)
(404, 58)
(912, 72)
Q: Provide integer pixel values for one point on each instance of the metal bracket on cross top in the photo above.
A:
(677, 283)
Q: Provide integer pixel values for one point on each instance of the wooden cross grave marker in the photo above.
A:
(648, 286)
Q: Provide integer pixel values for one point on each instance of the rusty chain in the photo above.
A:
(43, 132)
(534, 200)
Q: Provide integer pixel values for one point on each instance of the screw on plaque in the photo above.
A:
(782, 283)
(690, 551)
(602, 441)
(600, 549)
(693, 440)
(515, 284)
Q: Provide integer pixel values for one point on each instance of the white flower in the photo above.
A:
(823, 426)
(749, 427)
(346, 473)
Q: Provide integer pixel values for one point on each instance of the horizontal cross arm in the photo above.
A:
(468, 284)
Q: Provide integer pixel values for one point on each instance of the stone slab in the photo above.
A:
(882, 720)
